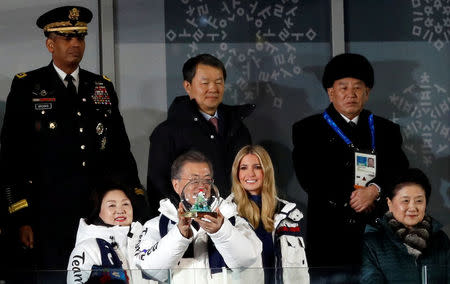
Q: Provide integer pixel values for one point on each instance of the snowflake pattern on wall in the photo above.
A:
(431, 21)
(426, 105)
(268, 55)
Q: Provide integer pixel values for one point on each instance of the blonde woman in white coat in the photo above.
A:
(276, 221)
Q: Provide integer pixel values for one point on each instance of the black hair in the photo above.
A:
(191, 156)
(190, 66)
(96, 198)
(409, 177)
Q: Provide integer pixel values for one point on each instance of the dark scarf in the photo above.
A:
(416, 238)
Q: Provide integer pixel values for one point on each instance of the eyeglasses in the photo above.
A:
(197, 181)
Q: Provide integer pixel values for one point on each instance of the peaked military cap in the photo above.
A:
(348, 65)
(65, 21)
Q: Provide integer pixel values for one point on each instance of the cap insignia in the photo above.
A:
(74, 14)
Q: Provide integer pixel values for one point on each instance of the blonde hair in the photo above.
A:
(246, 207)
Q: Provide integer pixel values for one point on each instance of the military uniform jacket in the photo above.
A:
(54, 146)
(324, 165)
(186, 129)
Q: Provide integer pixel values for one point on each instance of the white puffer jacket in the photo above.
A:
(288, 242)
(291, 245)
(87, 252)
(238, 245)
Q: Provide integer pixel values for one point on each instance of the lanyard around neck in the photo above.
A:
(347, 140)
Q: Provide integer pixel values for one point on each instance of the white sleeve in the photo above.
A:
(238, 244)
(154, 252)
(83, 257)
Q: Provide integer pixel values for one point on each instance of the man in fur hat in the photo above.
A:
(331, 154)
(62, 132)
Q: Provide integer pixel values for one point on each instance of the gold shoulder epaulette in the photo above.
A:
(21, 75)
(106, 78)
(17, 206)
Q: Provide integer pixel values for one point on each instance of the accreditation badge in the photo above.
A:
(365, 168)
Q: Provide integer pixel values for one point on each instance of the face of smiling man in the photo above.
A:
(207, 88)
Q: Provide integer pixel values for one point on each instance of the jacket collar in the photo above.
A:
(183, 106)
(53, 79)
(55, 82)
(116, 233)
(383, 227)
(339, 120)
(282, 211)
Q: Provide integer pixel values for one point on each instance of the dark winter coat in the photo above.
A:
(324, 165)
(186, 129)
(386, 259)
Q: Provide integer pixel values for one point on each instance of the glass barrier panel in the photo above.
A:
(435, 274)
(300, 275)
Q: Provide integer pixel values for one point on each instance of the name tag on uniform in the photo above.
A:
(365, 168)
(43, 106)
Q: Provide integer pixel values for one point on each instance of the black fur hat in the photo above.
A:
(348, 65)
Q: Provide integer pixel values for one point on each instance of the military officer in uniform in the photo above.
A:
(62, 134)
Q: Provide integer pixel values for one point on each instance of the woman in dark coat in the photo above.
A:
(407, 245)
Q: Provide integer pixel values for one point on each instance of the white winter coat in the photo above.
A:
(238, 245)
(87, 253)
(291, 246)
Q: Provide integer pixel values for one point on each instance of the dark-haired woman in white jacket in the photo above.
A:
(106, 241)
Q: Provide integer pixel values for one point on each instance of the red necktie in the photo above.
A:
(214, 122)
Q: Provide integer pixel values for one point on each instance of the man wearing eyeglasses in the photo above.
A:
(62, 131)
(210, 244)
